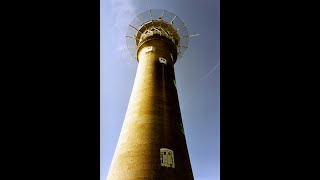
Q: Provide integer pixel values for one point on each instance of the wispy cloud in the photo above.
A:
(123, 12)
(212, 70)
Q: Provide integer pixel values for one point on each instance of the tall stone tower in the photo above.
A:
(152, 142)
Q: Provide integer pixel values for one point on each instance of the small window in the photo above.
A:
(162, 60)
(167, 158)
(148, 49)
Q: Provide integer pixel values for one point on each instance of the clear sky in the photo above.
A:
(197, 78)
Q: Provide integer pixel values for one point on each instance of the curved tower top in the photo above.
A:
(159, 23)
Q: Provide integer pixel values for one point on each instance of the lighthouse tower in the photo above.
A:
(152, 143)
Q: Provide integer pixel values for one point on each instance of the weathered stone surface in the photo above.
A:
(152, 121)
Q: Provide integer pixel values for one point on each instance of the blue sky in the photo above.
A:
(197, 78)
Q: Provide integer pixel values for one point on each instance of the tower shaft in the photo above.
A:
(152, 143)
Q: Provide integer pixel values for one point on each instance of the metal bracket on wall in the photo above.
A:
(182, 130)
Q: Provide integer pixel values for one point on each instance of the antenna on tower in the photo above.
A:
(148, 4)
(194, 35)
